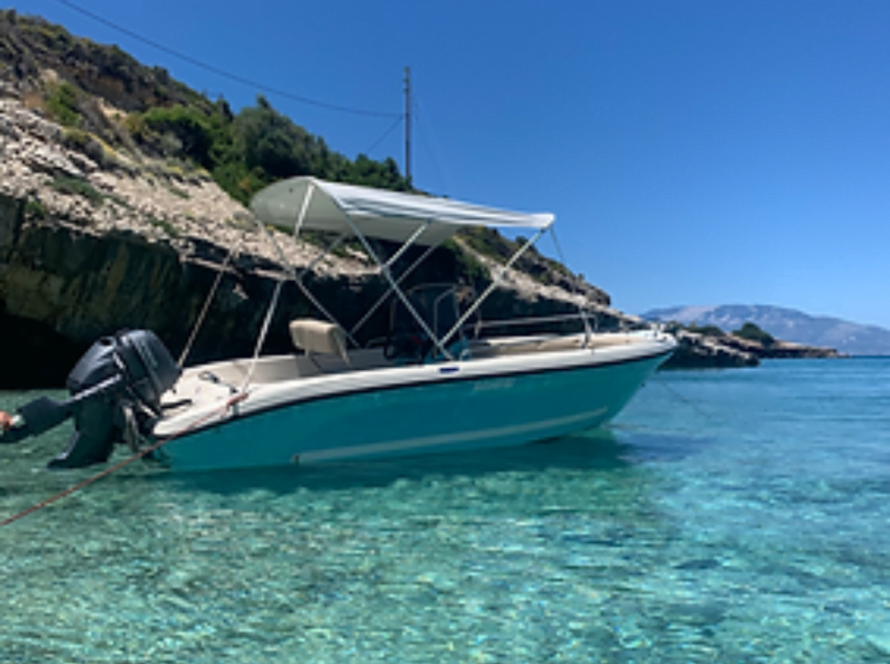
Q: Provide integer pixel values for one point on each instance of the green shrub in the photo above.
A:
(90, 145)
(752, 332)
(176, 191)
(164, 225)
(488, 242)
(178, 130)
(72, 186)
(706, 330)
(470, 266)
(63, 102)
(34, 209)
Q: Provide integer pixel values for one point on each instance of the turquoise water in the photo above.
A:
(727, 516)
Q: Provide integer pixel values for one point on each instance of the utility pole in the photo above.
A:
(408, 124)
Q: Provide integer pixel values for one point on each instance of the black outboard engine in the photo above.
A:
(120, 379)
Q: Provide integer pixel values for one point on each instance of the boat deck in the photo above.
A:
(218, 381)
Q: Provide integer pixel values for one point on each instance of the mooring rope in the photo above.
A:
(656, 379)
(582, 310)
(219, 276)
(126, 462)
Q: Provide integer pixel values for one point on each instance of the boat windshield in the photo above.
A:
(439, 306)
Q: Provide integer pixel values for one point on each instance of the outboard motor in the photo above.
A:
(120, 379)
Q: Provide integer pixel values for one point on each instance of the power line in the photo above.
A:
(385, 134)
(430, 144)
(221, 72)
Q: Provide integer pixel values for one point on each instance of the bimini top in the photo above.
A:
(377, 213)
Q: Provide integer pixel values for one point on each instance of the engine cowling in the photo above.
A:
(127, 372)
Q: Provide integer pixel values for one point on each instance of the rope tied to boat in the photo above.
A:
(235, 249)
(138, 454)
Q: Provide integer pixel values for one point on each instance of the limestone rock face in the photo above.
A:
(90, 247)
(696, 351)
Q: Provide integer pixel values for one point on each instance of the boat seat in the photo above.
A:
(315, 336)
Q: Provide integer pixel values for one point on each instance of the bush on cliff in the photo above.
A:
(247, 151)
(706, 330)
(752, 332)
(62, 102)
(176, 131)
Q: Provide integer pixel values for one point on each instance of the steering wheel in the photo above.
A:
(412, 346)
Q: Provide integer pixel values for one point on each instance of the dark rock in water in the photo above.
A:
(704, 563)
(709, 348)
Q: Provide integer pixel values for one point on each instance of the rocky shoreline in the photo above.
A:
(700, 351)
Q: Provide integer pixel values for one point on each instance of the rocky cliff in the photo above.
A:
(89, 246)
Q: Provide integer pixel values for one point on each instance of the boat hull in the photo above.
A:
(455, 412)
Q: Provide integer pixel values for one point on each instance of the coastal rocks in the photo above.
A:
(19, 120)
(776, 349)
(51, 161)
(696, 351)
(10, 213)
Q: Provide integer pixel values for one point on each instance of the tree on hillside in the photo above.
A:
(182, 130)
(705, 330)
(247, 151)
(752, 332)
(272, 142)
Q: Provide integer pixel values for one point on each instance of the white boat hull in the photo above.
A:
(416, 410)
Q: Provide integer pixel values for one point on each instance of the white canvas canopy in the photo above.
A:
(387, 215)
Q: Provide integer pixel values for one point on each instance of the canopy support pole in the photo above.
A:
(396, 256)
(394, 286)
(388, 291)
(216, 282)
(292, 272)
(494, 284)
(264, 330)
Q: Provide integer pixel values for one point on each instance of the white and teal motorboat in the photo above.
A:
(437, 383)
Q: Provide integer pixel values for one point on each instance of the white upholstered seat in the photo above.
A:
(315, 336)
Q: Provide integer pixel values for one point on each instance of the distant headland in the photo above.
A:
(847, 337)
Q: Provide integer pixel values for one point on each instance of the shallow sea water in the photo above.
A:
(727, 516)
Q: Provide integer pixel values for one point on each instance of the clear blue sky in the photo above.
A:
(694, 151)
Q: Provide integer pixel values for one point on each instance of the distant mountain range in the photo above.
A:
(785, 324)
